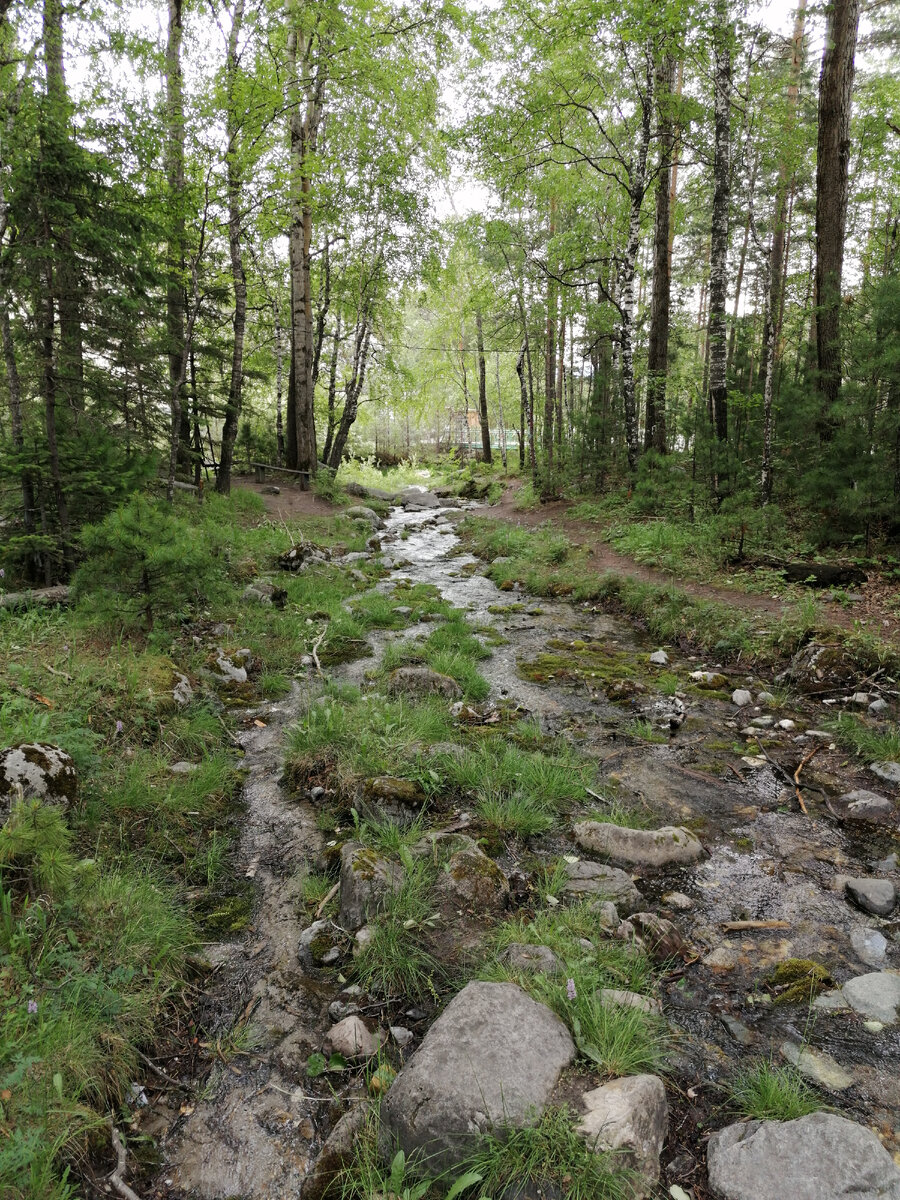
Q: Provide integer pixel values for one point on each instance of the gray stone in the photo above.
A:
(182, 768)
(40, 771)
(316, 941)
(765, 698)
(359, 512)
(352, 1039)
(629, 1116)
(875, 996)
(367, 879)
(679, 901)
(401, 1035)
(659, 658)
(229, 673)
(422, 681)
(741, 697)
(787, 725)
(743, 1035)
(876, 896)
(888, 771)
(763, 722)
(474, 880)
(536, 960)
(861, 805)
(625, 999)
(869, 946)
(639, 847)
(817, 1066)
(879, 706)
(818, 1157)
(492, 1059)
(659, 938)
(860, 699)
(723, 958)
(417, 498)
(182, 692)
(594, 879)
(607, 914)
(710, 680)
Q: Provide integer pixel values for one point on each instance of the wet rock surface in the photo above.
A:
(629, 1116)
(639, 847)
(492, 1059)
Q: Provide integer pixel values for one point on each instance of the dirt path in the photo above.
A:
(869, 613)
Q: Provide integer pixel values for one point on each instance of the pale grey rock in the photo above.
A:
(741, 697)
(629, 1116)
(473, 880)
(876, 896)
(536, 960)
(678, 901)
(888, 771)
(817, 1066)
(862, 805)
(182, 692)
(414, 499)
(625, 999)
(607, 914)
(818, 1157)
(659, 658)
(711, 680)
(491, 1059)
(639, 847)
(869, 946)
(359, 512)
(875, 996)
(40, 771)
(765, 698)
(182, 768)
(763, 722)
(859, 699)
(229, 672)
(367, 879)
(401, 1035)
(741, 1033)
(316, 941)
(352, 1039)
(723, 958)
(787, 725)
(608, 883)
(336, 1153)
(879, 706)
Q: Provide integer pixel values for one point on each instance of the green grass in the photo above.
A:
(765, 1092)
(549, 1152)
(397, 961)
(871, 745)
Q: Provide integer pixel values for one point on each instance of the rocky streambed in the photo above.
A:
(773, 929)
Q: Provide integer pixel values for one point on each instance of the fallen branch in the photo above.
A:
(52, 595)
(803, 761)
(161, 1073)
(62, 674)
(332, 892)
(737, 926)
(315, 651)
(116, 1176)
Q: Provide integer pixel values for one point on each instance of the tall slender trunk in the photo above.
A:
(832, 166)
(174, 153)
(332, 391)
(774, 305)
(658, 346)
(560, 378)
(482, 390)
(550, 352)
(500, 411)
(637, 186)
(235, 184)
(718, 254)
(742, 262)
(352, 391)
(676, 156)
(523, 406)
(305, 94)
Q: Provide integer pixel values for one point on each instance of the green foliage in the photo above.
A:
(396, 961)
(144, 562)
(764, 1092)
(870, 744)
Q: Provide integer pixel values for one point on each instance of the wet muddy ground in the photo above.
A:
(259, 1123)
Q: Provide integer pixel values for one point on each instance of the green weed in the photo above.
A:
(765, 1092)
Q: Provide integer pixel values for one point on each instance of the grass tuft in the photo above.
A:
(765, 1092)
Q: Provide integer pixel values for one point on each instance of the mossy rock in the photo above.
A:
(798, 981)
(474, 880)
(42, 771)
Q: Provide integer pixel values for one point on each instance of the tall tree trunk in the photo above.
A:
(832, 166)
(560, 380)
(305, 96)
(332, 391)
(174, 152)
(658, 346)
(353, 390)
(718, 253)
(637, 186)
(742, 261)
(523, 406)
(550, 354)
(774, 306)
(482, 390)
(235, 185)
(500, 411)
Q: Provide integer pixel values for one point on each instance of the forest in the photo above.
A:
(229, 235)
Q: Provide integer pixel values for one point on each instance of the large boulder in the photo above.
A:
(41, 771)
(414, 499)
(367, 879)
(862, 805)
(422, 681)
(818, 1157)
(474, 880)
(629, 1116)
(387, 797)
(491, 1060)
(668, 846)
(875, 996)
(359, 512)
(816, 665)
